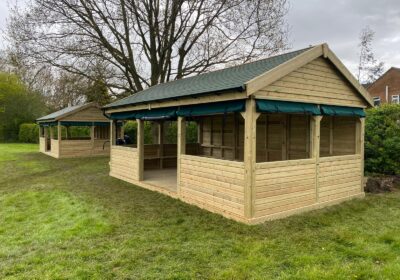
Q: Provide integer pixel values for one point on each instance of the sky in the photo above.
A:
(337, 23)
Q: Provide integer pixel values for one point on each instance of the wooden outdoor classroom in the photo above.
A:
(274, 137)
(75, 131)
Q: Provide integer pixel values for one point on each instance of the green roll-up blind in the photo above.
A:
(272, 106)
(154, 114)
(122, 116)
(69, 123)
(48, 124)
(342, 111)
(101, 123)
(212, 108)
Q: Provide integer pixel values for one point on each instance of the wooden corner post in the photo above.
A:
(315, 148)
(59, 137)
(140, 149)
(181, 148)
(112, 133)
(250, 129)
(360, 135)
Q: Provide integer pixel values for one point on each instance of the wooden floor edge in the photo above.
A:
(301, 210)
(145, 186)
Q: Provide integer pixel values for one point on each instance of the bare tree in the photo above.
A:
(146, 42)
(369, 69)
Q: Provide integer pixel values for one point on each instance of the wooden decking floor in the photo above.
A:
(162, 178)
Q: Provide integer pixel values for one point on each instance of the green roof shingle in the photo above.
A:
(232, 78)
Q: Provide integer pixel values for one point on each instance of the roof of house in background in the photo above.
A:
(65, 112)
(383, 75)
(232, 78)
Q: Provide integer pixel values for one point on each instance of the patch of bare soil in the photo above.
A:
(382, 184)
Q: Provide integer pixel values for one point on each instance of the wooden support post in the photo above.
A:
(199, 135)
(51, 132)
(235, 136)
(315, 147)
(140, 149)
(59, 137)
(331, 136)
(92, 136)
(122, 132)
(112, 133)
(360, 134)
(284, 137)
(45, 135)
(250, 129)
(161, 143)
(181, 148)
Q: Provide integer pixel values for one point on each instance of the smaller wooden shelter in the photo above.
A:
(275, 137)
(75, 131)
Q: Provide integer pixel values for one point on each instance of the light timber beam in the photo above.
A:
(315, 148)
(59, 137)
(360, 138)
(161, 142)
(140, 148)
(250, 128)
(112, 133)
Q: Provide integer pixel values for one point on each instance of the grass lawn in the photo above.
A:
(68, 219)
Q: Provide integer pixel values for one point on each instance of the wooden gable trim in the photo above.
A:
(346, 73)
(84, 107)
(284, 69)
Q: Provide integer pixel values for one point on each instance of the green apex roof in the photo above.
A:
(60, 113)
(232, 78)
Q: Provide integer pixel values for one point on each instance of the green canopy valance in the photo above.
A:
(272, 106)
(342, 111)
(153, 114)
(46, 124)
(186, 111)
(71, 123)
(212, 108)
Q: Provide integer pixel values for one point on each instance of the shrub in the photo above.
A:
(130, 129)
(28, 133)
(382, 140)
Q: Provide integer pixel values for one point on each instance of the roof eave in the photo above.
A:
(240, 89)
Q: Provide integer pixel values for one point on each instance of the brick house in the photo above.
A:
(387, 88)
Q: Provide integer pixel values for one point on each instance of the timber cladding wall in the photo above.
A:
(124, 163)
(288, 187)
(339, 177)
(282, 186)
(54, 148)
(89, 114)
(79, 148)
(214, 184)
(42, 144)
(317, 82)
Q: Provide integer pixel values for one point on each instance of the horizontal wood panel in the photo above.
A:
(124, 163)
(213, 184)
(317, 82)
(339, 177)
(89, 114)
(284, 186)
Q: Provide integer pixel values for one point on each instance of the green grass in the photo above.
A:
(64, 219)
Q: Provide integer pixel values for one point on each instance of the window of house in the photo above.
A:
(395, 99)
(377, 101)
